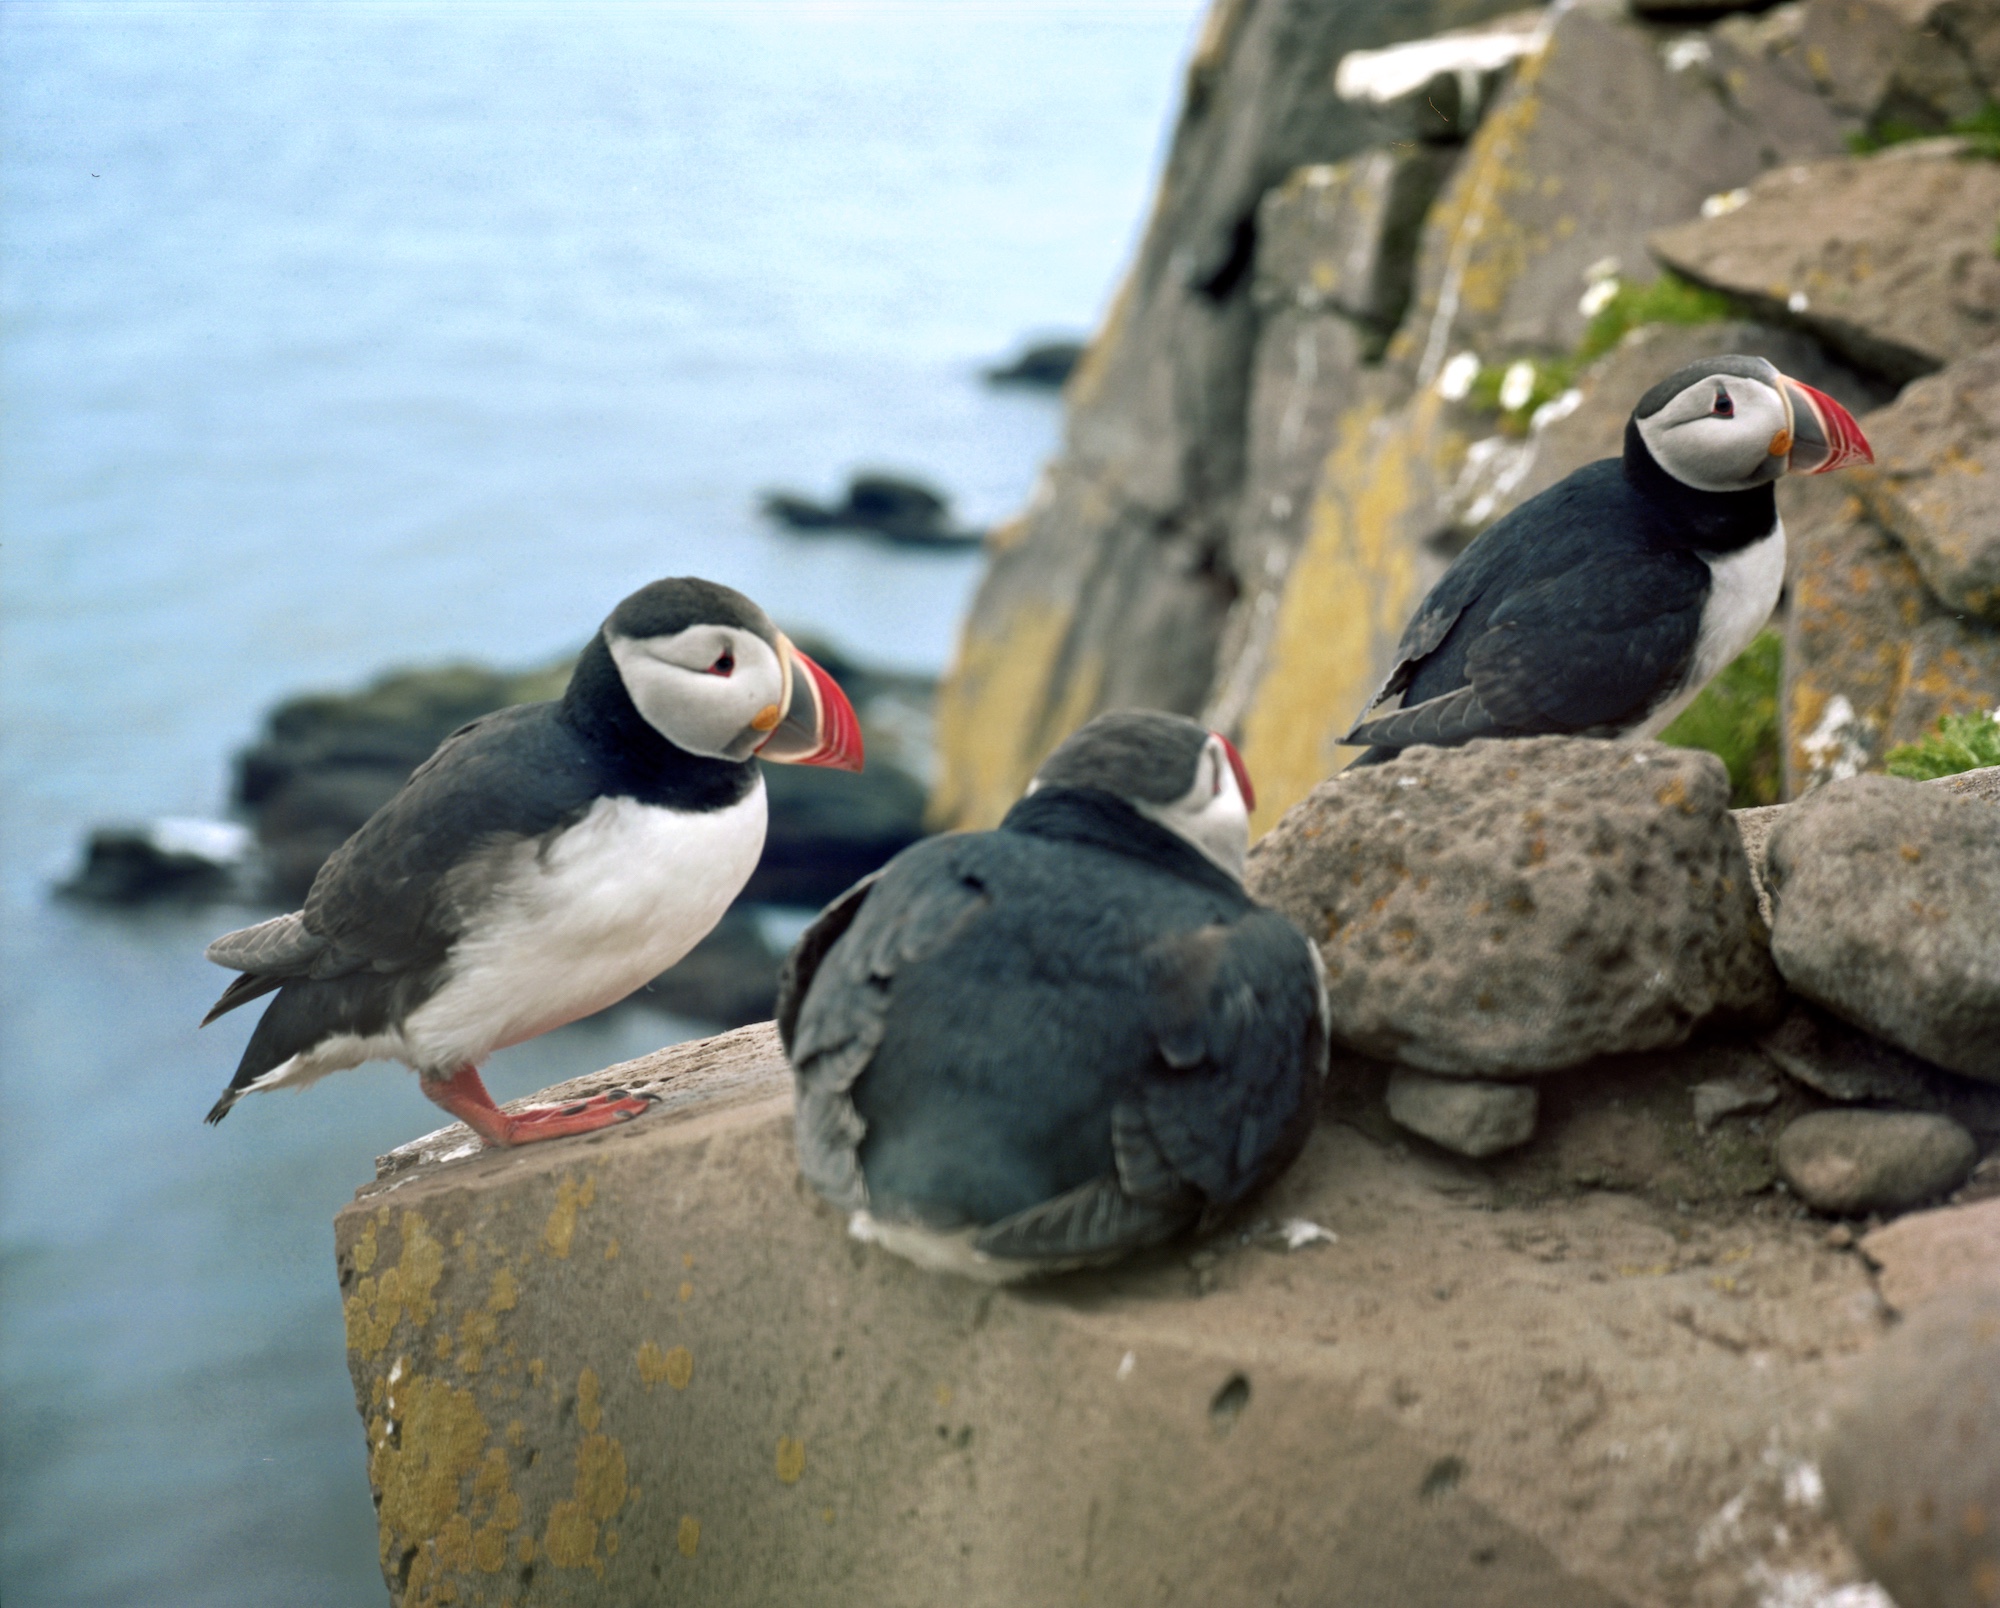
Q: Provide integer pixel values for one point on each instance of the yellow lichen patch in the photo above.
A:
(689, 1538)
(365, 1245)
(489, 1547)
(570, 1541)
(1344, 606)
(675, 1366)
(572, 1197)
(686, 1291)
(453, 1546)
(589, 1410)
(600, 1476)
(536, 1367)
(791, 1459)
(506, 1293)
(476, 1332)
(432, 1438)
(611, 1251)
(378, 1304)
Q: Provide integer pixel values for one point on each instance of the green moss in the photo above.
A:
(1735, 717)
(1960, 743)
(1982, 129)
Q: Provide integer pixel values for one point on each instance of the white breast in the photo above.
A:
(575, 923)
(1743, 588)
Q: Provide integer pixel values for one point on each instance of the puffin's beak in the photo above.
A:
(819, 726)
(1242, 772)
(1824, 434)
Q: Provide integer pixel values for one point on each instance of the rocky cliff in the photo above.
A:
(1410, 264)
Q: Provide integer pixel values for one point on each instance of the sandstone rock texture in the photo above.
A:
(1888, 258)
(1927, 1254)
(1516, 907)
(649, 1367)
(1935, 486)
(1887, 896)
(1852, 1162)
(1913, 1465)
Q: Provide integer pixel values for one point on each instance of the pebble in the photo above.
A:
(1468, 1115)
(1851, 1162)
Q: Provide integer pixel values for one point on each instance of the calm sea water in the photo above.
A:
(344, 336)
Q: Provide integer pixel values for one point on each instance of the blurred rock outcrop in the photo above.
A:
(1380, 303)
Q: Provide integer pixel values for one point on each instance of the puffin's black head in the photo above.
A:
(1168, 768)
(708, 671)
(1731, 423)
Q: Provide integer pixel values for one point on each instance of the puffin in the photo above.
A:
(1602, 606)
(547, 860)
(1045, 1046)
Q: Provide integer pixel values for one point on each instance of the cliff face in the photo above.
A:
(1294, 414)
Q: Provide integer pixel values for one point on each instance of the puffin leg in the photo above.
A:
(465, 1097)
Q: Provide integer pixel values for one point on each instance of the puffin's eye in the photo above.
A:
(1724, 408)
(724, 665)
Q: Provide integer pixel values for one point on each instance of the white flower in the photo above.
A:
(1691, 51)
(1457, 376)
(1598, 297)
(1517, 385)
(1724, 202)
(1797, 301)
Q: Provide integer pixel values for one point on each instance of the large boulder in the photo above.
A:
(1913, 1463)
(1886, 258)
(1887, 900)
(1904, 64)
(1517, 907)
(650, 1366)
(1935, 485)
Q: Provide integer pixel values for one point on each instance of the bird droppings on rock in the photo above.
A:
(1467, 1115)
(1851, 1162)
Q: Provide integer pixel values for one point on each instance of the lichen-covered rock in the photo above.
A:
(1887, 258)
(1468, 1115)
(1935, 485)
(1887, 896)
(1904, 64)
(1567, 170)
(1518, 907)
(1851, 1162)
(1912, 1468)
(1872, 658)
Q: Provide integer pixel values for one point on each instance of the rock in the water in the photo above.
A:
(1912, 1468)
(902, 510)
(1851, 1162)
(1522, 906)
(1935, 486)
(1872, 658)
(173, 858)
(1045, 364)
(1928, 1253)
(1887, 895)
(1472, 1117)
(1886, 258)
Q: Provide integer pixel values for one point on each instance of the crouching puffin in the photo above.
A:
(1047, 1045)
(1603, 605)
(543, 863)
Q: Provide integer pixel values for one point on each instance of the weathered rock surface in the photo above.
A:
(1716, 1098)
(648, 1366)
(1852, 1162)
(1886, 258)
(1515, 907)
(1929, 1253)
(1935, 486)
(1913, 1464)
(1466, 1115)
(1872, 658)
(1887, 896)
(1843, 1063)
(1904, 64)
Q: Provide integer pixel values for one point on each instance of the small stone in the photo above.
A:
(1842, 1062)
(1887, 896)
(1984, 1184)
(1912, 1468)
(1724, 1097)
(1839, 1237)
(1471, 1117)
(1852, 1162)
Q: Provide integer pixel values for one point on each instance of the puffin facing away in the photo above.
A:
(543, 863)
(1051, 1044)
(1603, 605)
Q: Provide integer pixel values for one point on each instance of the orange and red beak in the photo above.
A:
(1824, 434)
(819, 726)
(1242, 772)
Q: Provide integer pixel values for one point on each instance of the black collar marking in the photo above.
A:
(1707, 521)
(634, 760)
(1101, 820)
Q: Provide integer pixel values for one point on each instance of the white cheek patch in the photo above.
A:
(691, 707)
(1211, 814)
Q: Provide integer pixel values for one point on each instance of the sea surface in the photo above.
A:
(345, 336)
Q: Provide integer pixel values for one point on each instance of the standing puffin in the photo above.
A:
(1047, 1045)
(1603, 605)
(543, 863)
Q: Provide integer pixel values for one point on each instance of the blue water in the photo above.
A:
(344, 336)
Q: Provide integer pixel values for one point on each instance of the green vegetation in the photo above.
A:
(1982, 128)
(1960, 743)
(1735, 717)
(1668, 299)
